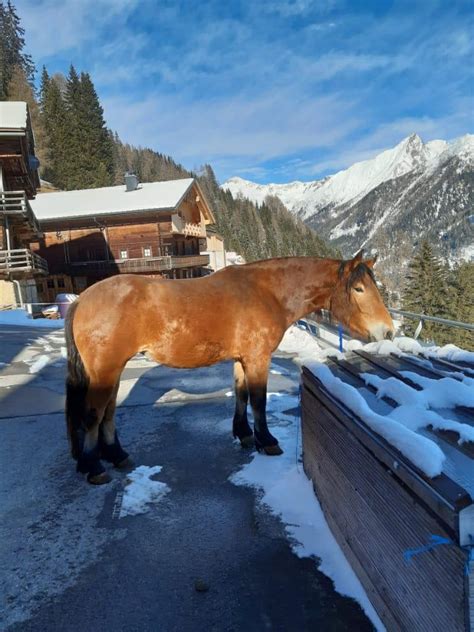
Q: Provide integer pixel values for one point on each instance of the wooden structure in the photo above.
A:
(154, 228)
(381, 507)
(19, 265)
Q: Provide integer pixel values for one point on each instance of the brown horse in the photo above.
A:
(239, 313)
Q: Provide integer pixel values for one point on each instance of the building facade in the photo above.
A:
(20, 267)
(154, 228)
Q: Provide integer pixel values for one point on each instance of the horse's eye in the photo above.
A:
(359, 289)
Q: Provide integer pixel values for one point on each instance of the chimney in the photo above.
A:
(131, 182)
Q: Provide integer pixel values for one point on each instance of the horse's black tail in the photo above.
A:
(77, 384)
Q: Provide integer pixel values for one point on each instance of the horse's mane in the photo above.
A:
(357, 274)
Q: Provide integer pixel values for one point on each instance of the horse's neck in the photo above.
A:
(304, 284)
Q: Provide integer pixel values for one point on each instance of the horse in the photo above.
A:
(239, 313)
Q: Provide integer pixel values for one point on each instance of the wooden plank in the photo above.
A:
(379, 519)
(442, 494)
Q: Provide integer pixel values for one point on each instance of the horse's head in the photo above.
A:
(356, 302)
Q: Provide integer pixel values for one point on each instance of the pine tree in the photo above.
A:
(19, 89)
(426, 292)
(462, 306)
(12, 43)
(55, 123)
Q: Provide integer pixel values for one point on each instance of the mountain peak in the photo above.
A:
(353, 183)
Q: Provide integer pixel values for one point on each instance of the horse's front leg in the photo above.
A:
(256, 373)
(240, 426)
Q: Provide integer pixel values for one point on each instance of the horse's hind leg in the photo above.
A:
(98, 396)
(256, 373)
(109, 444)
(240, 425)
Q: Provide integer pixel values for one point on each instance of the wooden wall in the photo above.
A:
(376, 519)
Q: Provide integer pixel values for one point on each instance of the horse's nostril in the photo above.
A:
(389, 334)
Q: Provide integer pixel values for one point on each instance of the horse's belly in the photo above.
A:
(182, 356)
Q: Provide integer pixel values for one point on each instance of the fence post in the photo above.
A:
(341, 340)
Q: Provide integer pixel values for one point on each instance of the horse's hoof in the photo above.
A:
(247, 442)
(99, 479)
(126, 464)
(273, 450)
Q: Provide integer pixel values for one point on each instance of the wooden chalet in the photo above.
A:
(156, 228)
(408, 537)
(19, 266)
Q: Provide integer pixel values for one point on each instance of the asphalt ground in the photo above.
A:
(70, 563)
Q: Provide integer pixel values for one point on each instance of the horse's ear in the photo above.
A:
(353, 263)
(371, 262)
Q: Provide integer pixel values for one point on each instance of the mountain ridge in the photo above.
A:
(389, 203)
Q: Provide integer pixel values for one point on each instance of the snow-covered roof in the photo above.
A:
(13, 115)
(90, 202)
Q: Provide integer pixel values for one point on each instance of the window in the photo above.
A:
(147, 251)
(61, 282)
(124, 254)
(51, 283)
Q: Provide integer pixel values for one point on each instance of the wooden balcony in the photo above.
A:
(21, 263)
(180, 227)
(16, 210)
(137, 266)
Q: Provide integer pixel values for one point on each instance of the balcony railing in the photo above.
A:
(21, 262)
(144, 264)
(15, 204)
(188, 229)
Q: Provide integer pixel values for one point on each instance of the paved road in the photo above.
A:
(68, 563)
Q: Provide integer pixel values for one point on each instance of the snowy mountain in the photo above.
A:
(390, 202)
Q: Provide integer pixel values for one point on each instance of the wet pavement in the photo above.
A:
(70, 563)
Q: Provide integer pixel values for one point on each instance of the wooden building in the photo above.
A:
(19, 265)
(156, 228)
(409, 537)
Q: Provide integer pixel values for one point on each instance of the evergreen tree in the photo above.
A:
(426, 292)
(55, 122)
(462, 305)
(12, 44)
(19, 89)
(89, 149)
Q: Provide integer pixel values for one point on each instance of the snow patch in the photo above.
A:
(141, 491)
(39, 363)
(287, 493)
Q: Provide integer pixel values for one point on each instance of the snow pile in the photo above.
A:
(289, 494)
(233, 259)
(141, 491)
(415, 407)
(19, 317)
(404, 344)
(302, 344)
(420, 450)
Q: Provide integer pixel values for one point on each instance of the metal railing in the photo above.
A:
(434, 319)
(20, 261)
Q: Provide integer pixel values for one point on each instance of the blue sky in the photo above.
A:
(270, 91)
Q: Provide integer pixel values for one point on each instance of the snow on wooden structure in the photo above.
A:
(409, 537)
